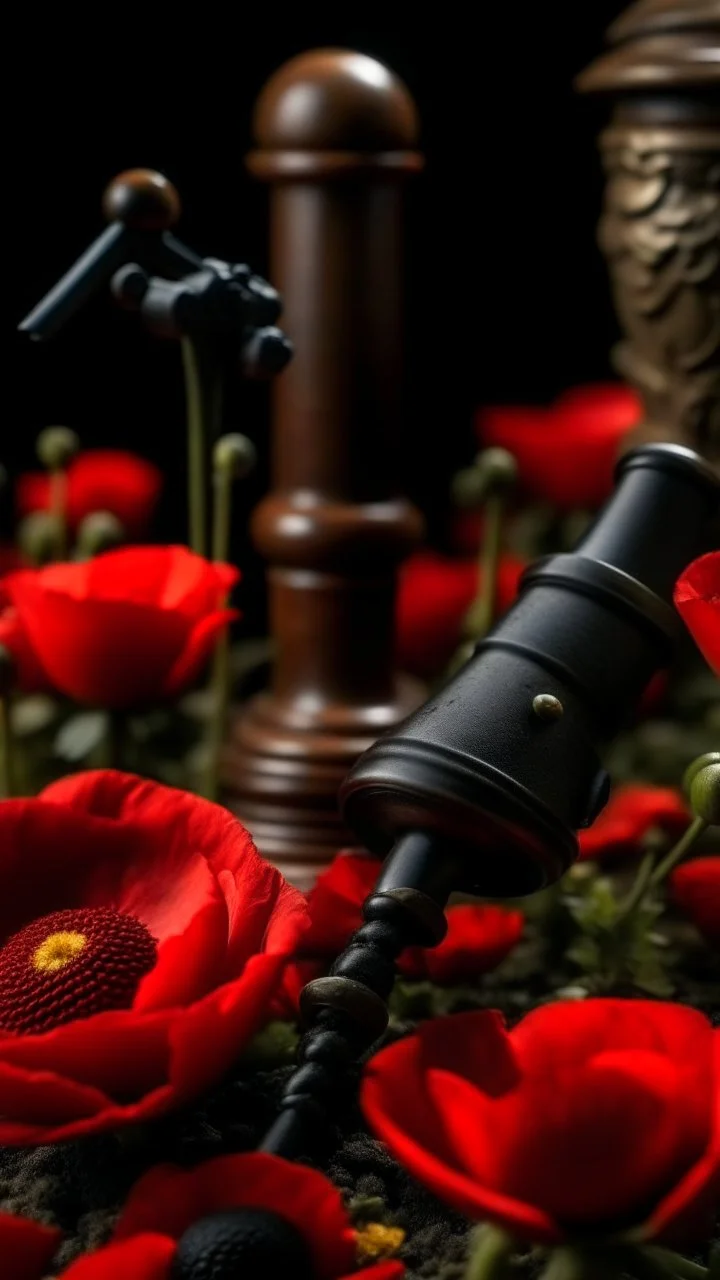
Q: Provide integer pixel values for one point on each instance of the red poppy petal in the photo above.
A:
(198, 648)
(169, 1199)
(631, 813)
(693, 1200)
(145, 1257)
(117, 481)
(50, 853)
(112, 653)
(695, 887)
(26, 1247)
(122, 1054)
(380, 1271)
(477, 940)
(399, 1109)
(167, 838)
(189, 964)
(42, 1098)
(208, 1037)
(336, 900)
(30, 675)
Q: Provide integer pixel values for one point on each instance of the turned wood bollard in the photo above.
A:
(336, 135)
(660, 229)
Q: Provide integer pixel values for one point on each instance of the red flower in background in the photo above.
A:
(697, 599)
(631, 813)
(566, 453)
(143, 939)
(478, 937)
(434, 595)
(695, 887)
(597, 1116)
(99, 480)
(26, 1248)
(130, 627)
(197, 1214)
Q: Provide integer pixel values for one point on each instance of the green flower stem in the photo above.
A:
(677, 853)
(490, 1253)
(58, 510)
(203, 392)
(482, 613)
(683, 1267)
(657, 1264)
(639, 888)
(220, 672)
(6, 749)
(114, 746)
(567, 1263)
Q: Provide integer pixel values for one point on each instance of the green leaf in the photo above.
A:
(33, 714)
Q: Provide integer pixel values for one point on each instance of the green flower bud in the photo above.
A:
(235, 454)
(98, 532)
(494, 471)
(56, 446)
(39, 536)
(702, 784)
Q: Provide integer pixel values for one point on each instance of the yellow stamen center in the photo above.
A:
(375, 1240)
(57, 951)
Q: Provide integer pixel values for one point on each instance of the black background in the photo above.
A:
(507, 289)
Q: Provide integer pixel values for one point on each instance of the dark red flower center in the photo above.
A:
(70, 965)
(252, 1243)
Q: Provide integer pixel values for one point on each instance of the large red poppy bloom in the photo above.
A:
(588, 1117)
(26, 1248)
(99, 480)
(632, 812)
(434, 595)
(697, 599)
(175, 1214)
(128, 628)
(143, 939)
(566, 453)
(695, 887)
(478, 937)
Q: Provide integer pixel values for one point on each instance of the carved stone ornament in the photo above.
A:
(660, 229)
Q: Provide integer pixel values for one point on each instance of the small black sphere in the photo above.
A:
(253, 1243)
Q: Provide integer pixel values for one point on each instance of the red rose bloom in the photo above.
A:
(26, 1248)
(478, 937)
(566, 453)
(99, 480)
(434, 595)
(598, 1117)
(128, 628)
(204, 1213)
(697, 599)
(143, 939)
(695, 887)
(630, 814)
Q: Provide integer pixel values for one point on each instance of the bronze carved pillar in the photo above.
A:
(336, 135)
(660, 229)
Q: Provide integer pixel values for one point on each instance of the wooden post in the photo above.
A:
(336, 135)
(660, 230)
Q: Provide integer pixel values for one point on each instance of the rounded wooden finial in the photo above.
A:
(143, 200)
(335, 100)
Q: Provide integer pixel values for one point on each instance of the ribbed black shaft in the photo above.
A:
(347, 1012)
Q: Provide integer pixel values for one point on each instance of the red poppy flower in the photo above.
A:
(697, 599)
(130, 627)
(478, 937)
(143, 940)
(629, 816)
(587, 1117)
(26, 1248)
(99, 480)
(434, 595)
(259, 1215)
(695, 887)
(566, 453)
